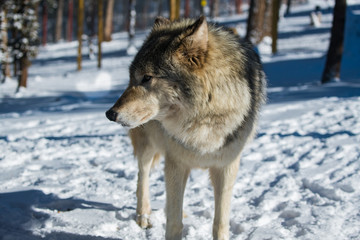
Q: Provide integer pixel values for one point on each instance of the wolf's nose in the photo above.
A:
(111, 115)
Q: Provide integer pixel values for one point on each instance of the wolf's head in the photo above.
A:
(162, 73)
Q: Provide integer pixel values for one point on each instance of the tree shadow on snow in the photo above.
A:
(299, 79)
(69, 101)
(18, 214)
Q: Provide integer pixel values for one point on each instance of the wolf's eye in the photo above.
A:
(146, 78)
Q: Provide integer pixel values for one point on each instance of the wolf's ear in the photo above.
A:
(195, 43)
(160, 21)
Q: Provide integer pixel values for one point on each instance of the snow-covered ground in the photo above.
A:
(66, 172)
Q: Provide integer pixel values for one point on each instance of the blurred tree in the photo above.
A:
(59, 20)
(100, 29)
(336, 47)
(250, 20)
(90, 25)
(160, 7)
(24, 41)
(80, 32)
(44, 22)
(274, 27)
(4, 50)
(187, 9)
(69, 27)
(214, 8)
(238, 8)
(288, 7)
(259, 21)
(109, 19)
(202, 5)
(131, 26)
(174, 9)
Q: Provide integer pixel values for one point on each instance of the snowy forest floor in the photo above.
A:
(66, 172)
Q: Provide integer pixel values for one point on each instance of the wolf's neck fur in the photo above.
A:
(206, 128)
(222, 103)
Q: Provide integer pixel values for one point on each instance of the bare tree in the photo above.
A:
(90, 25)
(160, 7)
(44, 22)
(131, 26)
(214, 8)
(69, 27)
(250, 20)
(288, 7)
(174, 9)
(24, 37)
(259, 20)
(334, 55)
(5, 56)
(144, 14)
(187, 9)
(275, 21)
(108, 20)
(59, 20)
(238, 8)
(100, 30)
(80, 32)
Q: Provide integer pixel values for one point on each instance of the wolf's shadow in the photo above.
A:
(18, 213)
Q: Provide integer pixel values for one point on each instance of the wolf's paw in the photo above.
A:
(143, 220)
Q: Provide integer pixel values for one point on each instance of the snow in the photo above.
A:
(66, 172)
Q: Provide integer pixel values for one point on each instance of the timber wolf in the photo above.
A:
(194, 95)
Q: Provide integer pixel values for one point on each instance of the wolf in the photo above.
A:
(194, 97)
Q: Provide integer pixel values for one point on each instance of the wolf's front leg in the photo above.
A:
(223, 180)
(143, 208)
(145, 155)
(176, 176)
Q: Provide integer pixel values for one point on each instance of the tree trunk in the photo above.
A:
(160, 8)
(288, 7)
(69, 27)
(214, 8)
(24, 65)
(238, 8)
(131, 27)
(59, 20)
(334, 55)
(5, 66)
(178, 3)
(274, 27)
(90, 22)
(266, 26)
(100, 30)
(44, 23)
(80, 32)
(250, 21)
(174, 9)
(145, 14)
(108, 21)
(259, 19)
(187, 9)
(15, 67)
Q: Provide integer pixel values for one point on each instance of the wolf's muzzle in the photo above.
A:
(111, 115)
